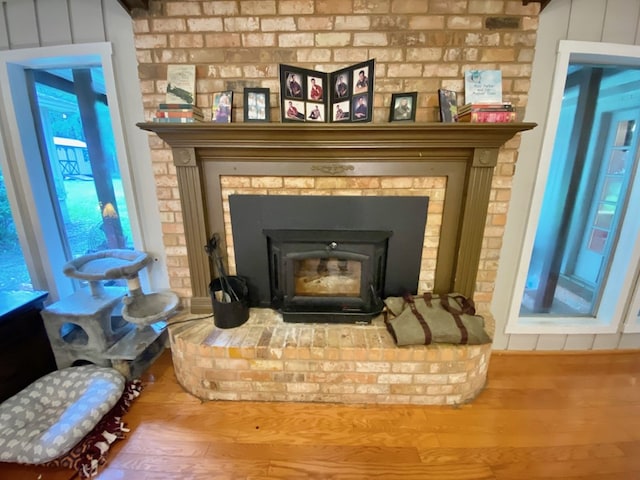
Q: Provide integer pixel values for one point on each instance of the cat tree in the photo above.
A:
(110, 326)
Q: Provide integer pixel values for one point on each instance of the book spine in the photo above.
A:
(488, 117)
(173, 106)
(176, 120)
(178, 114)
(486, 107)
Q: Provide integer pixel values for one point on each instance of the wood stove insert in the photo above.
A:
(327, 276)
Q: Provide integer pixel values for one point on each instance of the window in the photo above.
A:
(66, 156)
(582, 240)
(15, 274)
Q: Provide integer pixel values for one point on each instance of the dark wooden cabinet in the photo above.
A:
(25, 352)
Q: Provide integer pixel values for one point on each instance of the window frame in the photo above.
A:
(21, 159)
(616, 297)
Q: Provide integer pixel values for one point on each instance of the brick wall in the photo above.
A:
(417, 45)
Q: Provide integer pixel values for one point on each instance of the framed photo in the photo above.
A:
(353, 85)
(256, 104)
(448, 102)
(315, 112)
(293, 110)
(341, 112)
(303, 97)
(403, 107)
(345, 95)
(315, 88)
(222, 107)
(360, 108)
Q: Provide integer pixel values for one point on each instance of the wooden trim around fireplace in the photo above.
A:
(464, 152)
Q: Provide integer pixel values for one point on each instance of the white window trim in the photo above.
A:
(595, 52)
(48, 273)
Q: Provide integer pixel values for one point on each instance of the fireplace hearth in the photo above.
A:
(327, 258)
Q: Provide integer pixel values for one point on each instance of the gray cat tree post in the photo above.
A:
(106, 325)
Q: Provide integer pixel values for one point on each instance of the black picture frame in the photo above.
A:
(403, 107)
(352, 93)
(222, 108)
(303, 95)
(448, 105)
(345, 95)
(256, 104)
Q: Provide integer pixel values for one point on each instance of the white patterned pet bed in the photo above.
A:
(53, 414)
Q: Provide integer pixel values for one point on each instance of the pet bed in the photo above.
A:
(67, 418)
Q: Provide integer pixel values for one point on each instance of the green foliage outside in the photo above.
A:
(8, 237)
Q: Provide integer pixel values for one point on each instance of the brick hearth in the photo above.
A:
(269, 360)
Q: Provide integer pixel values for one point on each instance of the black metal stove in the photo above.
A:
(327, 276)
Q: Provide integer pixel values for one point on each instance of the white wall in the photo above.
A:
(611, 21)
(49, 23)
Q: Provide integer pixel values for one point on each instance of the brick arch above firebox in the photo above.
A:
(465, 153)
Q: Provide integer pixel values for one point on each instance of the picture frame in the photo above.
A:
(256, 105)
(222, 107)
(353, 85)
(303, 95)
(345, 95)
(403, 107)
(448, 105)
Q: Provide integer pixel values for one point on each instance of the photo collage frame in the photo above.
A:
(345, 95)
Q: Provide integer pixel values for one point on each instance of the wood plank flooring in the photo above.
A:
(541, 416)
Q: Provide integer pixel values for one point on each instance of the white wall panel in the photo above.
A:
(87, 24)
(53, 22)
(22, 25)
(630, 340)
(579, 342)
(551, 342)
(587, 19)
(522, 342)
(604, 341)
(620, 21)
(4, 35)
(500, 339)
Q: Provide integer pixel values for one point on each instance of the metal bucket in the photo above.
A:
(228, 312)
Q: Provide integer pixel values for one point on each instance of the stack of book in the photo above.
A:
(178, 113)
(487, 113)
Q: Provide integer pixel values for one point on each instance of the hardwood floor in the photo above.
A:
(560, 416)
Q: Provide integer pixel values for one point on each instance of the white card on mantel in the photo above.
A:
(482, 86)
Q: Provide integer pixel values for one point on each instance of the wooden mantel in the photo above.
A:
(465, 153)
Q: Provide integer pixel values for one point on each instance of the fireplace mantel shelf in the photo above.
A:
(465, 153)
(323, 136)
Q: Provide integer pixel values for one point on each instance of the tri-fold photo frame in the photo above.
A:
(345, 95)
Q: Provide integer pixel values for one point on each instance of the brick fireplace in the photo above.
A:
(452, 164)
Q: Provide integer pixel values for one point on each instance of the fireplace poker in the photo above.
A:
(213, 250)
